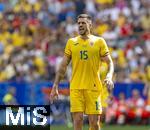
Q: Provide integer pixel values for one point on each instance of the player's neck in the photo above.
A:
(86, 36)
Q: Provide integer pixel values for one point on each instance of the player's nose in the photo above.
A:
(80, 24)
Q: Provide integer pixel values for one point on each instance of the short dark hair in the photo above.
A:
(84, 16)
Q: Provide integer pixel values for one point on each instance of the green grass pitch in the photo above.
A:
(126, 127)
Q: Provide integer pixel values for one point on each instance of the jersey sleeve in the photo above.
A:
(68, 51)
(104, 51)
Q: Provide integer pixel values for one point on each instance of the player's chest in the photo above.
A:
(85, 50)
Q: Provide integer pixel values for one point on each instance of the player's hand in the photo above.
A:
(54, 93)
(109, 84)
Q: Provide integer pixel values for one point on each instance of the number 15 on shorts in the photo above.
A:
(97, 105)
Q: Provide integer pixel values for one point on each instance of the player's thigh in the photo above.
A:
(76, 101)
(92, 102)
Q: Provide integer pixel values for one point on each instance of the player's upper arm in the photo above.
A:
(68, 50)
(67, 53)
(104, 51)
(65, 61)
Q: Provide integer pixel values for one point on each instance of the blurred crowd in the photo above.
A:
(33, 34)
(133, 110)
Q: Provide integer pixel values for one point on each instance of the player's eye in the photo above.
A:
(81, 23)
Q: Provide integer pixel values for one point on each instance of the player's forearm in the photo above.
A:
(60, 74)
(110, 68)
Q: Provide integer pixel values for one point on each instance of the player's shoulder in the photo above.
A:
(73, 40)
(96, 38)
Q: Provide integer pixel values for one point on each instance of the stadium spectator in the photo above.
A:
(111, 112)
(9, 98)
(121, 109)
(135, 106)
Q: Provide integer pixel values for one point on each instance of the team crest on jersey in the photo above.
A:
(91, 43)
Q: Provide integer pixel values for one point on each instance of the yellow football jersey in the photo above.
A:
(85, 55)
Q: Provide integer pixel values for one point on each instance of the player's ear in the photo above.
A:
(90, 23)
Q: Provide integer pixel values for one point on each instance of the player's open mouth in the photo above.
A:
(81, 28)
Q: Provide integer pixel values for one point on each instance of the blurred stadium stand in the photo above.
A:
(33, 34)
